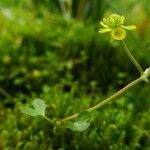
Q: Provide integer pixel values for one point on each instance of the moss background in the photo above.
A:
(52, 50)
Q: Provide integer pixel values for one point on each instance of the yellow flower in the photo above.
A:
(114, 25)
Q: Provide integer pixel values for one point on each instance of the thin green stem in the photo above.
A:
(139, 68)
(107, 100)
(49, 120)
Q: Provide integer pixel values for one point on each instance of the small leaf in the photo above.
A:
(70, 125)
(39, 106)
(28, 111)
(78, 125)
(84, 116)
(81, 125)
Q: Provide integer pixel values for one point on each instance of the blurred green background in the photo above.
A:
(51, 49)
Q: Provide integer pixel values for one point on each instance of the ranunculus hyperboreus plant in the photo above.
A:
(115, 25)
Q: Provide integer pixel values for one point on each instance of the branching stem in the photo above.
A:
(120, 92)
(107, 100)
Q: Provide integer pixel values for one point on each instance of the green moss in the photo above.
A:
(71, 67)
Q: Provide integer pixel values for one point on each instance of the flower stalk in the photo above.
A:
(133, 60)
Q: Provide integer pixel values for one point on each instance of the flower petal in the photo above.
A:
(132, 27)
(105, 21)
(104, 30)
(103, 24)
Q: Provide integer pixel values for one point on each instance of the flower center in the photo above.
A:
(118, 34)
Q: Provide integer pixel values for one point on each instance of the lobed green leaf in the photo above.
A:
(29, 111)
(39, 106)
(81, 123)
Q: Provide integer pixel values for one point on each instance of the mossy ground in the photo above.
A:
(71, 67)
